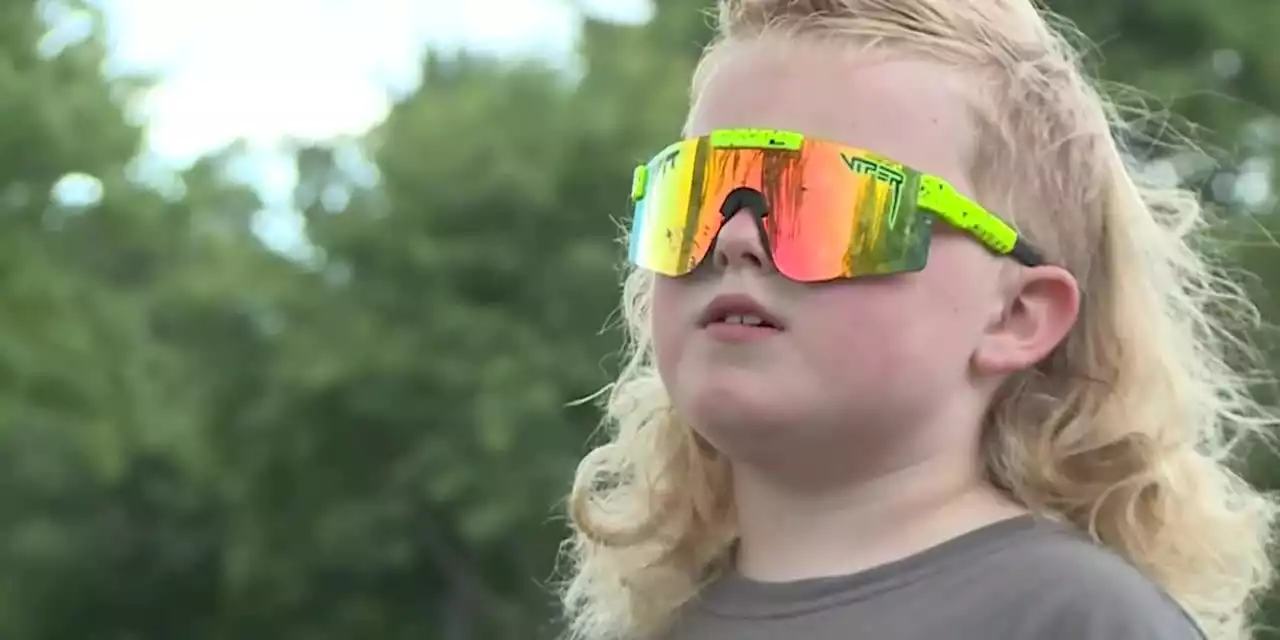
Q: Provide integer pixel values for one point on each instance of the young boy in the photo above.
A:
(861, 404)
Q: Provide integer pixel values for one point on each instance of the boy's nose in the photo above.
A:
(739, 245)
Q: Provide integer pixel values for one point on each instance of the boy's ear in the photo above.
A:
(1040, 309)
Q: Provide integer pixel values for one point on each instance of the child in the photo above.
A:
(859, 404)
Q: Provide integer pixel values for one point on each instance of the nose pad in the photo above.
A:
(744, 198)
(742, 239)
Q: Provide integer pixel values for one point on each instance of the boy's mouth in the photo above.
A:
(739, 310)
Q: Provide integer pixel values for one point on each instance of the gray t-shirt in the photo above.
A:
(1020, 579)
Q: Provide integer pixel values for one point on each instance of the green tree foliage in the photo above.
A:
(114, 309)
(201, 439)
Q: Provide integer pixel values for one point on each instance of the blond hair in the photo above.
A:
(1126, 431)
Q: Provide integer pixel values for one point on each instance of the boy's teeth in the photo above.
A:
(747, 319)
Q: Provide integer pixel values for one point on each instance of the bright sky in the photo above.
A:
(267, 70)
(314, 68)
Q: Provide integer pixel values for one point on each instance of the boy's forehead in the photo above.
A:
(911, 111)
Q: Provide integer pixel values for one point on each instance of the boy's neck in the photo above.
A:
(786, 536)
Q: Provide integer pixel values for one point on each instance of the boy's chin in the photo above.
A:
(743, 419)
(770, 429)
(742, 401)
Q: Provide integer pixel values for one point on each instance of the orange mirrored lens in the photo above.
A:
(832, 212)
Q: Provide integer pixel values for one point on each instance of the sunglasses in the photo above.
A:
(825, 210)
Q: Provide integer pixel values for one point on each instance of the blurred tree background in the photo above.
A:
(202, 439)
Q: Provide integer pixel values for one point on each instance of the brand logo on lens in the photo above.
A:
(884, 173)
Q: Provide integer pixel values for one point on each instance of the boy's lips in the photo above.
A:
(739, 317)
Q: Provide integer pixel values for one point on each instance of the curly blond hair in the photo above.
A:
(1126, 431)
